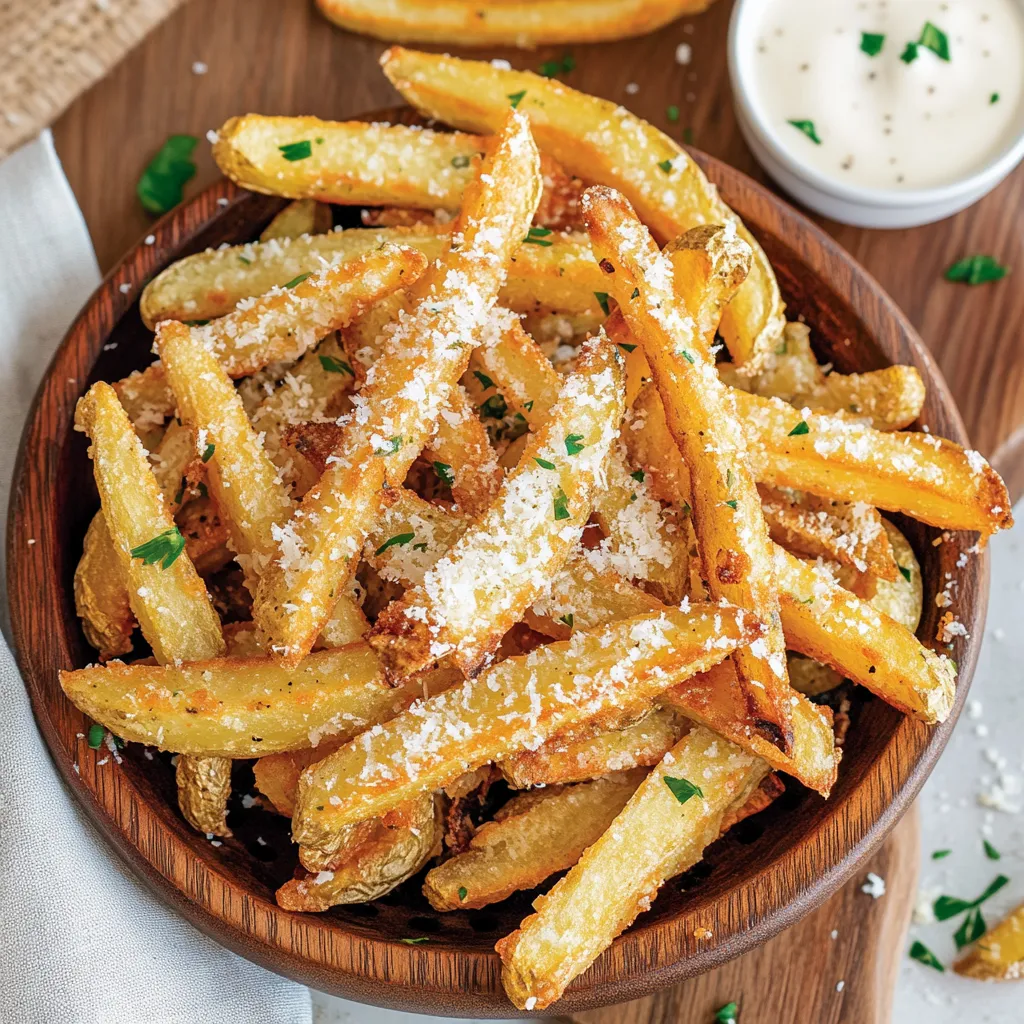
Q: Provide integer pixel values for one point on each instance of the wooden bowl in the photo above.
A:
(760, 878)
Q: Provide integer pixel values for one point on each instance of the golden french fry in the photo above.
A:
(143, 393)
(520, 701)
(101, 598)
(901, 598)
(561, 276)
(529, 844)
(640, 745)
(204, 785)
(206, 535)
(810, 677)
(889, 399)
(664, 829)
(999, 954)
(477, 591)
(602, 143)
(833, 626)
(407, 389)
(303, 217)
(732, 537)
(523, 23)
(240, 706)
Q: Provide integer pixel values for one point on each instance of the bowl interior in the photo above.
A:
(762, 876)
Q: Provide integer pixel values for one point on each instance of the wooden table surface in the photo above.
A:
(281, 57)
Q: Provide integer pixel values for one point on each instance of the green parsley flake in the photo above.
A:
(994, 98)
(395, 542)
(636, 294)
(293, 151)
(946, 907)
(163, 548)
(297, 280)
(461, 161)
(919, 951)
(990, 851)
(528, 406)
(445, 473)
(672, 113)
(941, 854)
(95, 736)
(572, 444)
(162, 184)
(688, 136)
(871, 43)
(242, 259)
(543, 463)
(934, 39)
(485, 381)
(799, 429)
(463, 892)
(971, 929)
(807, 127)
(687, 355)
(726, 1014)
(568, 619)
(909, 55)
(515, 98)
(538, 236)
(551, 68)
(195, 323)
(732, 504)
(975, 270)
(602, 301)
(415, 942)
(638, 476)
(561, 505)
(682, 789)
(419, 547)
(388, 447)
(332, 365)
(628, 348)
(208, 452)
(180, 493)
(906, 573)
(666, 166)
(494, 408)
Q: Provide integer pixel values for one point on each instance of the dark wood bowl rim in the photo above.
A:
(780, 901)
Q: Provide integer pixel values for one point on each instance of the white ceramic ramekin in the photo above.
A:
(851, 204)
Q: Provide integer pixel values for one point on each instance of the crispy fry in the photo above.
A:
(833, 626)
(143, 393)
(902, 598)
(810, 677)
(204, 785)
(602, 143)
(241, 706)
(476, 592)
(529, 844)
(640, 745)
(732, 537)
(889, 399)
(561, 276)
(999, 953)
(101, 598)
(519, 702)
(206, 535)
(425, 356)
(656, 836)
(385, 859)
(523, 23)
(303, 217)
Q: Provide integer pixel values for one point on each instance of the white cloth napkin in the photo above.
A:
(83, 942)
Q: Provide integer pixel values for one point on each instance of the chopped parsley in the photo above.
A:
(163, 548)
(561, 505)
(485, 381)
(445, 473)
(871, 43)
(726, 1014)
(977, 269)
(666, 166)
(934, 39)
(994, 98)
(946, 907)
(461, 161)
(905, 572)
(919, 951)
(332, 365)
(95, 736)
(568, 619)
(628, 348)
(297, 280)
(495, 407)
(415, 942)
(941, 854)
(208, 452)
(672, 113)
(990, 851)
(515, 98)
(552, 68)
(395, 542)
(180, 493)
(162, 184)
(572, 444)
(638, 475)
(687, 355)
(242, 259)
(543, 463)
(419, 547)
(807, 127)
(463, 892)
(528, 406)
(799, 429)
(682, 789)
(732, 504)
(602, 301)
(688, 136)
(293, 151)
(636, 294)
(972, 928)
(908, 56)
(538, 236)
(388, 447)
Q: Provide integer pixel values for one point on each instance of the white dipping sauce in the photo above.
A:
(883, 122)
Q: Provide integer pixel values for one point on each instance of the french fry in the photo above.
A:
(602, 143)
(476, 592)
(408, 387)
(204, 786)
(732, 537)
(526, 23)
(889, 399)
(923, 476)
(143, 393)
(561, 276)
(525, 847)
(999, 954)
(241, 706)
(810, 677)
(833, 626)
(385, 859)
(901, 598)
(303, 217)
(640, 745)
(518, 702)
(657, 835)
(101, 598)
(206, 535)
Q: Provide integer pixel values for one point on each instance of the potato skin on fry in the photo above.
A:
(204, 785)
(101, 599)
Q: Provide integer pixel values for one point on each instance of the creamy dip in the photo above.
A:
(889, 94)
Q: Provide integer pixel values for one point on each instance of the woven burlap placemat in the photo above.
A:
(53, 50)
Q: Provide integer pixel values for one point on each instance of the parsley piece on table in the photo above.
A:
(871, 43)
(979, 269)
(162, 184)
